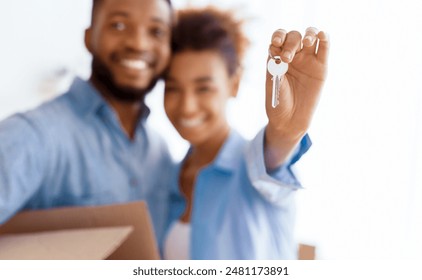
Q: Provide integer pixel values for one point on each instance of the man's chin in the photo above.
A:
(128, 94)
(126, 91)
(131, 87)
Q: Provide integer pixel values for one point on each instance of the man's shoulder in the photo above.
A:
(56, 107)
(33, 128)
(52, 115)
(50, 112)
(62, 107)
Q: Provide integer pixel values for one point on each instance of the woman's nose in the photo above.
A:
(188, 104)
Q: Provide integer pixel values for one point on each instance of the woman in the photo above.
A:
(233, 199)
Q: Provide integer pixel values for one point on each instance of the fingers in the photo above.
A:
(287, 44)
(323, 48)
(292, 45)
(278, 38)
(310, 40)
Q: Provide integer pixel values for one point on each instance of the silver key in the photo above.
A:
(277, 70)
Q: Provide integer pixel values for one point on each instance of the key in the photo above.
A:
(277, 70)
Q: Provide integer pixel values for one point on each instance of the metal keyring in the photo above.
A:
(277, 58)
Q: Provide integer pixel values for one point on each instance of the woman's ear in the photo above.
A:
(236, 77)
(87, 39)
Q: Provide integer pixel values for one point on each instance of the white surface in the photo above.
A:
(211, 269)
(177, 244)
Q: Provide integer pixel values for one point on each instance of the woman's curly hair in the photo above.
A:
(210, 28)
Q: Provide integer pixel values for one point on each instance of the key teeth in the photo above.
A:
(276, 79)
(277, 91)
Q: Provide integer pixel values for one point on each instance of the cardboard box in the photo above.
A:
(306, 252)
(121, 231)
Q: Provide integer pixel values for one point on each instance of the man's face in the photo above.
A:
(130, 44)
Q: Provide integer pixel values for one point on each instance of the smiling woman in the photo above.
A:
(234, 199)
(196, 96)
(363, 196)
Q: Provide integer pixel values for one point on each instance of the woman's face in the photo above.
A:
(197, 89)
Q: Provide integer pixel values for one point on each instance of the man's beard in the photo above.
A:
(103, 76)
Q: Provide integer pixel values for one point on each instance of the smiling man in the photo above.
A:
(91, 145)
(129, 41)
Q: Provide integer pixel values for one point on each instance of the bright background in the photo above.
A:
(363, 175)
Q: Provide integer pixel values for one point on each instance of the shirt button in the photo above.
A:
(133, 182)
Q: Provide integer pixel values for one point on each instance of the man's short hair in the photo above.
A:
(97, 3)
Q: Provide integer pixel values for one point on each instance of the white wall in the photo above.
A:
(40, 40)
(363, 196)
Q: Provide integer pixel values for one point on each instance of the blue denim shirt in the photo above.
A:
(239, 210)
(72, 151)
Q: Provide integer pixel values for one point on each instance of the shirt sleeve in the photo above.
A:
(21, 168)
(274, 185)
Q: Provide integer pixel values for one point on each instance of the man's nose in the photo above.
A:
(139, 40)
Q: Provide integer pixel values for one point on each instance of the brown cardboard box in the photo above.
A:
(122, 231)
(306, 252)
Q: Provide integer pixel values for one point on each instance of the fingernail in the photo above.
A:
(327, 36)
(288, 55)
(309, 39)
(277, 40)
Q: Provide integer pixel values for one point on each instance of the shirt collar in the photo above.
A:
(227, 159)
(230, 153)
(89, 100)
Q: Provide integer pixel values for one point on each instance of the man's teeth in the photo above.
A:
(135, 64)
(191, 122)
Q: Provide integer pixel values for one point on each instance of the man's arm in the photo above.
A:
(21, 164)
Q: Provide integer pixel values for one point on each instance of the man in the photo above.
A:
(91, 145)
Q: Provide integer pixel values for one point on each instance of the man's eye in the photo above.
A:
(158, 32)
(120, 26)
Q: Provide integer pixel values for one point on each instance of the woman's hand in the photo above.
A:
(299, 92)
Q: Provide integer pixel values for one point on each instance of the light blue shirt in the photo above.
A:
(72, 151)
(239, 210)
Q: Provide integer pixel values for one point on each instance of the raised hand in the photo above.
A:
(299, 90)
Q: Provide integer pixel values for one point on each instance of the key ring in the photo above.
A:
(277, 58)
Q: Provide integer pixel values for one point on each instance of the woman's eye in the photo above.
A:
(170, 89)
(203, 89)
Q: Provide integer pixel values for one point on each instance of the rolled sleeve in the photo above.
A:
(274, 185)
